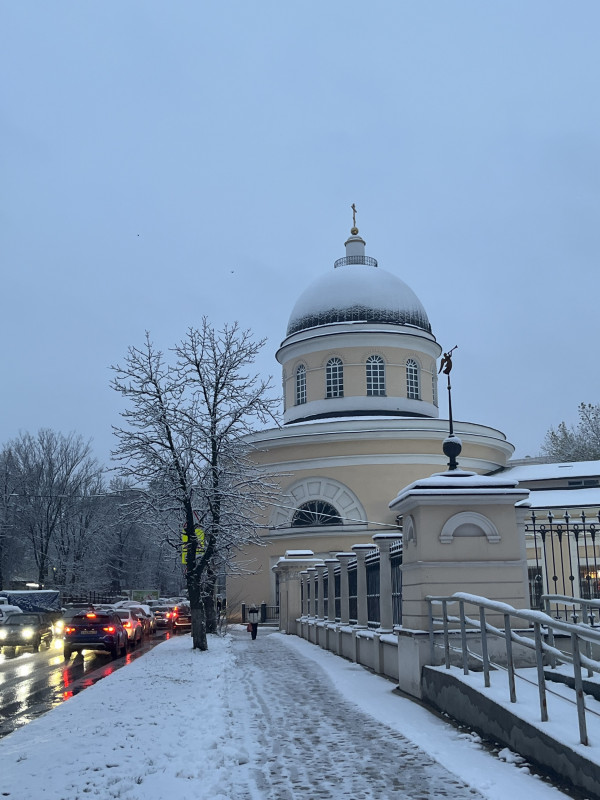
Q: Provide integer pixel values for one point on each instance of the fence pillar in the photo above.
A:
(288, 570)
(344, 559)
(312, 582)
(331, 564)
(362, 611)
(384, 542)
(304, 593)
(461, 534)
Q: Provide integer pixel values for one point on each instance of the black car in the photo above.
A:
(26, 630)
(164, 616)
(183, 618)
(95, 630)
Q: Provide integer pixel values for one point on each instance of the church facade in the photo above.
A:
(361, 419)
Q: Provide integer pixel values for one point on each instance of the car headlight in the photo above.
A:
(3, 634)
(58, 627)
(27, 633)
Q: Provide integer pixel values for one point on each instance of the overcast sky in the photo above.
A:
(165, 161)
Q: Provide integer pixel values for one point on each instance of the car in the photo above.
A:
(143, 613)
(66, 615)
(132, 625)
(95, 630)
(183, 618)
(164, 616)
(149, 617)
(26, 631)
(6, 610)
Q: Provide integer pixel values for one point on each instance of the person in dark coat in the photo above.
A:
(253, 621)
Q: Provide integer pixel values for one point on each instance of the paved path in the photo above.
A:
(314, 744)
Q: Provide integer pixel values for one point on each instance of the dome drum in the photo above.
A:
(360, 407)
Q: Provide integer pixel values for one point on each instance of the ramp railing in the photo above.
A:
(544, 628)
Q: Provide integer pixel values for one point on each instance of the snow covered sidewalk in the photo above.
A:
(277, 718)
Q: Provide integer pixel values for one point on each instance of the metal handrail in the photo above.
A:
(543, 625)
(342, 262)
(565, 600)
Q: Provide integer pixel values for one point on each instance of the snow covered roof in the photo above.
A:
(564, 498)
(546, 472)
(357, 293)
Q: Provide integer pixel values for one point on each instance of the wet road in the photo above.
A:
(33, 683)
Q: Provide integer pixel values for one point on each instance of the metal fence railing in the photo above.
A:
(563, 555)
(544, 628)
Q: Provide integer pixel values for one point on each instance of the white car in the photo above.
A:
(132, 625)
(143, 612)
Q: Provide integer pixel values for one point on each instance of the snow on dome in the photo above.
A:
(357, 293)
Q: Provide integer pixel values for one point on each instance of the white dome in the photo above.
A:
(357, 292)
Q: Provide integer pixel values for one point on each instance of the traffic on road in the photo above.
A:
(46, 659)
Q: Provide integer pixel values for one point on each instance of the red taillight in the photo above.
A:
(168, 615)
(109, 629)
(69, 629)
(127, 624)
(91, 615)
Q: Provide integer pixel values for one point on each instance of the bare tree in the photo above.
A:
(11, 546)
(186, 443)
(575, 443)
(51, 470)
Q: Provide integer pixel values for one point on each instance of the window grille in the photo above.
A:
(301, 385)
(316, 512)
(396, 563)
(353, 593)
(375, 376)
(335, 378)
(412, 380)
(373, 578)
(589, 583)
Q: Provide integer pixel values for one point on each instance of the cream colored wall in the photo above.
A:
(472, 564)
(260, 586)
(355, 380)
(376, 485)
(287, 454)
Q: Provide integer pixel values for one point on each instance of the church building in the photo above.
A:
(360, 368)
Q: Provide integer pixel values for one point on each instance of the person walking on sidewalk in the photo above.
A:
(253, 621)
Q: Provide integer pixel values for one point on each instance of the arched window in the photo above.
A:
(375, 376)
(412, 380)
(301, 385)
(334, 378)
(316, 512)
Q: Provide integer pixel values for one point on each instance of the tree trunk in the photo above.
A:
(199, 641)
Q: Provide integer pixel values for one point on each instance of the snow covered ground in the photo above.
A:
(277, 718)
